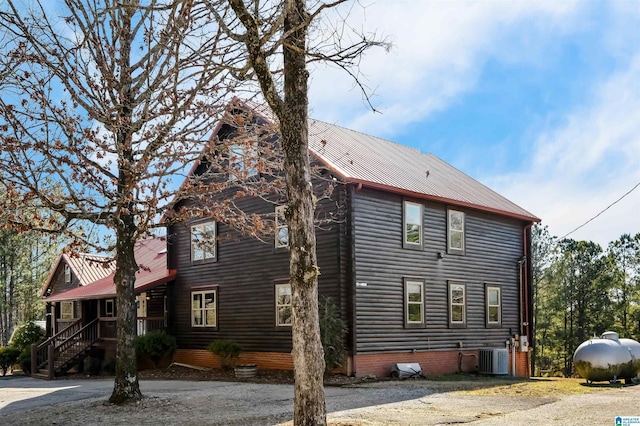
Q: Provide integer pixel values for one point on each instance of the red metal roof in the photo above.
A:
(85, 266)
(151, 256)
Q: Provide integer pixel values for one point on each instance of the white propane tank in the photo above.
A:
(608, 358)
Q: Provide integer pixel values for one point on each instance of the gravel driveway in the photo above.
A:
(26, 401)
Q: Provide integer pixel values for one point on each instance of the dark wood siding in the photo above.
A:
(58, 285)
(493, 247)
(244, 276)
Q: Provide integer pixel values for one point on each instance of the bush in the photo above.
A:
(26, 335)
(227, 350)
(8, 357)
(332, 332)
(109, 366)
(156, 344)
(92, 366)
(25, 364)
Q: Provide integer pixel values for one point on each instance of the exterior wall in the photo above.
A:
(264, 360)
(244, 276)
(57, 282)
(494, 244)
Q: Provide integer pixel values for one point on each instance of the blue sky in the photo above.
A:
(538, 100)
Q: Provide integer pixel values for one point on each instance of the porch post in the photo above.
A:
(52, 362)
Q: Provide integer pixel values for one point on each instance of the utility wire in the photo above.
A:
(604, 210)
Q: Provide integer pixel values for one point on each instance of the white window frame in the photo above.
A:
(203, 310)
(67, 274)
(240, 154)
(281, 226)
(405, 223)
(279, 305)
(451, 232)
(208, 253)
(64, 312)
(110, 308)
(488, 289)
(452, 322)
(408, 282)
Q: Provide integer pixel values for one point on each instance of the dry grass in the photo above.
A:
(540, 387)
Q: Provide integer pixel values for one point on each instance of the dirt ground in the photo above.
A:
(181, 396)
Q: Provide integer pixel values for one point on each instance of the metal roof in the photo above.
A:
(151, 257)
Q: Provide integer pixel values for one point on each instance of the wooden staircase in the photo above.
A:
(59, 353)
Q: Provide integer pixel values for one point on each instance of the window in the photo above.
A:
(412, 225)
(66, 310)
(284, 316)
(457, 302)
(203, 308)
(109, 308)
(414, 303)
(455, 232)
(282, 230)
(494, 305)
(203, 242)
(67, 274)
(243, 159)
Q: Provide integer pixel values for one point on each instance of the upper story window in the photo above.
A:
(282, 230)
(455, 232)
(412, 218)
(204, 309)
(66, 310)
(203, 242)
(414, 303)
(67, 274)
(243, 159)
(284, 315)
(494, 305)
(457, 305)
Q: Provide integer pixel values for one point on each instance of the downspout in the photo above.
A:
(352, 270)
(526, 324)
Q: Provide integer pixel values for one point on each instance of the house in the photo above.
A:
(424, 264)
(81, 308)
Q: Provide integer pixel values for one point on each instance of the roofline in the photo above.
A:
(61, 298)
(393, 189)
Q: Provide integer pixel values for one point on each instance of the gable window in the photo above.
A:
(203, 242)
(282, 230)
(242, 160)
(457, 305)
(109, 308)
(412, 218)
(66, 310)
(284, 316)
(67, 274)
(204, 309)
(455, 232)
(414, 303)
(494, 305)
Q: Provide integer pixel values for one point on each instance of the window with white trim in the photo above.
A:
(455, 232)
(204, 312)
(109, 308)
(243, 158)
(412, 225)
(66, 310)
(284, 314)
(414, 303)
(67, 274)
(203, 242)
(494, 305)
(282, 229)
(457, 305)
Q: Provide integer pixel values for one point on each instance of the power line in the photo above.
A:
(604, 210)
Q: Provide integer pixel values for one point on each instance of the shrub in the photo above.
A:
(25, 364)
(156, 344)
(227, 350)
(26, 335)
(92, 366)
(332, 332)
(8, 357)
(109, 366)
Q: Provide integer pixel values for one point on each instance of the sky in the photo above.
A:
(540, 101)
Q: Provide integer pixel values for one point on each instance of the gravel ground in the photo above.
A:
(25, 401)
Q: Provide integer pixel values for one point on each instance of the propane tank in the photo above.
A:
(608, 358)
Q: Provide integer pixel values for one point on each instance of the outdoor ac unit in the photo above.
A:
(493, 361)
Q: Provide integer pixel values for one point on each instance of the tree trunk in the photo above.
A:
(126, 387)
(308, 358)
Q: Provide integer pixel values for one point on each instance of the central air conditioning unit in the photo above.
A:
(493, 361)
